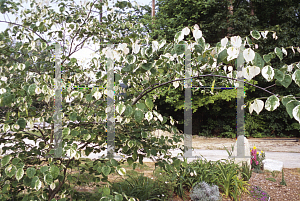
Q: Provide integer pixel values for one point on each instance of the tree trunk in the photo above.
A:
(252, 9)
(230, 10)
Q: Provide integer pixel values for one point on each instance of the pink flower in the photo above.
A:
(251, 161)
(256, 162)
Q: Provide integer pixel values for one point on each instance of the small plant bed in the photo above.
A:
(147, 183)
(176, 184)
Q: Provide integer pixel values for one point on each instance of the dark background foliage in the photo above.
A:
(215, 115)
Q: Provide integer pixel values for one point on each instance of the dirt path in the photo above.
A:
(200, 142)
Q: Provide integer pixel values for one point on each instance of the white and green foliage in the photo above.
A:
(204, 192)
(27, 94)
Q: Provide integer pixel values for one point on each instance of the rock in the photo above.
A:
(272, 165)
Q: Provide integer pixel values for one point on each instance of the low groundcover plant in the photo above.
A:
(257, 193)
(204, 192)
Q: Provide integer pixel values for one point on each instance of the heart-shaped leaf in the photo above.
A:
(48, 179)
(128, 110)
(147, 66)
(138, 115)
(30, 172)
(278, 75)
(19, 174)
(296, 113)
(250, 72)
(149, 103)
(255, 34)
(290, 107)
(286, 81)
(121, 171)
(5, 160)
(268, 73)
(120, 108)
(148, 116)
(22, 123)
(272, 103)
(257, 105)
(54, 170)
(296, 77)
(278, 52)
(106, 170)
(10, 170)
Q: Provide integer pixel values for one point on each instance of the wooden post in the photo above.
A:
(153, 10)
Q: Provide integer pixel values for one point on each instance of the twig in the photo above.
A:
(149, 89)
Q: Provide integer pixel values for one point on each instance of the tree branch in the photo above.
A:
(149, 89)
(28, 29)
(79, 30)
(61, 182)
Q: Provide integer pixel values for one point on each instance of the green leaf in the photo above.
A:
(19, 174)
(179, 49)
(121, 171)
(74, 133)
(258, 61)
(255, 34)
(114, 162)
(54, 170)
(10, 170)
(5, 160)
(271, 179)
(141, 106)
(117, 78)
(249, 40)
(71, 26)
(128, 111)
(131, 58)
(106, 170)
(290, 106)
(73, 116)
(286, 81)
(120, 108)
(221, 56)
(278, 75)
(22, 123)
(31, 89)
(149, 103)
(89, 97)
(127, 68)
(296, 77)
(201, 42)
(278, 52)
(37, 184)
(66, 131)
(130, 160)
(30, 172)
(296, 113)
(5, 188)
(106, 191)
(267, 58)
(147, 66)
(138, 115)
(118, 197)
(48, 179)
(287, 99)
(272, 103)
(15, 161)
(199, 48)
(153, 152)
(44, 169)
